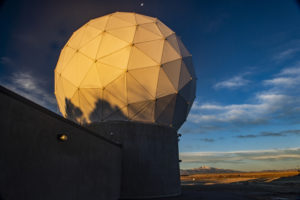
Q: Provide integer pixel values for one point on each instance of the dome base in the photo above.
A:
(150, 165)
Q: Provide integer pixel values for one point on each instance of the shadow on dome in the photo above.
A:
(102, 111)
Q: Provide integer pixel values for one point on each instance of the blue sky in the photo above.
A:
(247, 57)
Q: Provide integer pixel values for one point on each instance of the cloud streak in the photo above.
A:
(280, 99)
(271, 134)
(286, 54)
(30, 87)
(232, 83)
(207, 140)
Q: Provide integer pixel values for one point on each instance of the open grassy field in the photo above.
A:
(277, 185)
(246, 177)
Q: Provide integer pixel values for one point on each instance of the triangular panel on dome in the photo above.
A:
(188, 91)
(118, 88)
(164, 109)
(85, 106)
(162, 103)
(135, 91)
(172, 39)
(126, 16)
(190, 104)
(134, 108)
(73, 111)
(77, 68)
(76, 38)
(110, 44)
(143, 35)
(147, 113)
(183, 50)
(117, 59)
(189, 64)
(89, 34)
(107, 73)
(138, 59)
(125, 33)
(91, 79)
(75, 99)
(92, 97)
(147, 77)
(110, 104)
(116, 22)
(69, 88)
(99, 23)
(169, 53)
(185, 76)
(164, 85)
(172, 70)
(142, 19)
(166, 31)
(61, 105)
(119, 115)
(153, 49)
(91, 48)
(152, 27)
(180, 112)
(66, 54)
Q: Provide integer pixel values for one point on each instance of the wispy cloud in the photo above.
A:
(271, 134)
(254, 113)
(285, 54)
(279, 99)
(232, 83)
(288, 77)
(6, 61)
(29, 86)
(207, 140)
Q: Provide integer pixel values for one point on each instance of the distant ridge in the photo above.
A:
(205, 170)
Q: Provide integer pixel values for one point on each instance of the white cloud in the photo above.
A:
(286, 54)
(295, 70)
(279, 100)
(30, 87)
(282, 81)
(288, 77)
(232, 83)
(242, 113)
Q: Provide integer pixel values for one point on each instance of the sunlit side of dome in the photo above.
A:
(125, 67)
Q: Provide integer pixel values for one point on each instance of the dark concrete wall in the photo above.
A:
(35, 165)
(150, 165)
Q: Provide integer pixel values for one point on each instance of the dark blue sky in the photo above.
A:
(246, 54)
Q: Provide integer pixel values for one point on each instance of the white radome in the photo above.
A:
(125, 67)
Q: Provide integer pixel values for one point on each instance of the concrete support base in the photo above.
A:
(150, 165)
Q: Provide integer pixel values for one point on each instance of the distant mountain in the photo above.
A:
(205, 170)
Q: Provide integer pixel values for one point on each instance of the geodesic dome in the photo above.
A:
(125, 66)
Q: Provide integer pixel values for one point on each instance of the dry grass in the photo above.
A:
(225, 178)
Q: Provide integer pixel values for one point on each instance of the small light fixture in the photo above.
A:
(62, 137)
